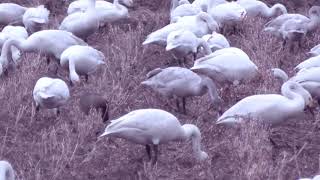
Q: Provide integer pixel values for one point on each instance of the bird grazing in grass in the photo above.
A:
(152, 127)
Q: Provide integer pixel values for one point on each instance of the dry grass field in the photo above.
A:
(43, 147)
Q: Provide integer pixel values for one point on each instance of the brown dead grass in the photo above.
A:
(44, 147)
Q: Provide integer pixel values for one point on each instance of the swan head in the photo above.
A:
(6, 171)
(280, 9)
(212, 24)
(314, 11)
(74, 77)
(178, 38)
(280, 74)
(298, 89)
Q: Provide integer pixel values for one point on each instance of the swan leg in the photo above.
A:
(155, 159)
(178, 104)
(5, 72)
(194, 56)
(48, 59)
(57, 111)
(37, 107)
(148, 149)
(184, 105)
(87, 77)
(71, 83)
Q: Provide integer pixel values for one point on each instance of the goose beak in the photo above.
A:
(170, 46)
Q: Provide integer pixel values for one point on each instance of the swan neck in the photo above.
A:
(191, 132)
(297, 99)
(314, 23)
(280, 74)
(205, 46)
(212, 89)
(74, 77)
(6, 54)
(174, 4)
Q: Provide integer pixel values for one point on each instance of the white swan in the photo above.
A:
(34, 19)
(207, 3)
(49, 42)
(154, 127)
(6, 171)
(309, 63)
(81, 60)
(200, 25)
(315, 51)
(293, 27)
(228, 65)
(309, 79)
(17, 32)
(283, 107)
(82, 24)
(184, 42)
(177, 82)
(216, 41)
(11, 13)
(184, 9)
(110, 13)
(50, 93)
(257, 8)
(228, 14)
(82, 5)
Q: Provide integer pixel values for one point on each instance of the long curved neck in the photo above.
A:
(269, 12)
(74, 77)
(192, 132)
(280, 74)
(212, 89)
(6, 54)
(174, 4)
(212, 24)
(205, 46)
(297, 100)
(314, 23)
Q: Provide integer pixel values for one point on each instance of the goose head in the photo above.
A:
(291, 88)
(279, 9)
(212, 24)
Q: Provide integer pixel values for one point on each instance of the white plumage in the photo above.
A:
(6, 171)
(228, 65)
(50, 93)
(155, 127)
(269, 108)
(81, 60)
(257, 8)
(34, 19)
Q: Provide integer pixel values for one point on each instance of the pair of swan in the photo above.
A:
(257, 8)
(200, 24)
(152, 127)
(82, 23)
(50, 93)
(17, 32)
(34, 19)
(49, 42)
(96, 13)
(309, 79)
(178, 82)
(90, 101)
(6, 171)
(184, 42)
(271, 109)
(82, 5)
(81, 60)
(293, 27)
(228, 65)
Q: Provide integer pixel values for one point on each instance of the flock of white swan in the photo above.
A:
(194, 29)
